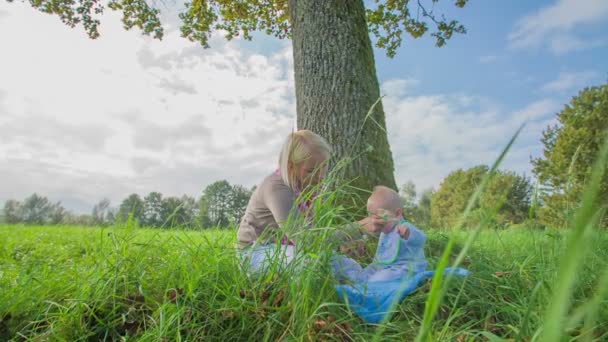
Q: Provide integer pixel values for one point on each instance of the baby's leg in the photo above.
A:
(345, 268)
(386, 273)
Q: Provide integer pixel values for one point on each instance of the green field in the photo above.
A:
(77, 283)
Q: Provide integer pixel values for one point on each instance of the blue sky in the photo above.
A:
(83, 120)
(485, 63)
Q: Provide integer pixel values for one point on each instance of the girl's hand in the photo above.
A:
(354, 249)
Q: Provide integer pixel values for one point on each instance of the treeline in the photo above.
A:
(505, 201)
(563, 171)
(570, 150)
(220, 205)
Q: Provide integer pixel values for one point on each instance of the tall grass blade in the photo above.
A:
(438, 286)
(576, 247)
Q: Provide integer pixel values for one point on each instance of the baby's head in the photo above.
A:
(384, 208)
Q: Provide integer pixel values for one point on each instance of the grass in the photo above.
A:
(77, 283)
(128, 283)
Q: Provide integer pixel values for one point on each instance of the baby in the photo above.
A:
(400, 246)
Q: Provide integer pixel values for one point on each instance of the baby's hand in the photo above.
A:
(403, 231)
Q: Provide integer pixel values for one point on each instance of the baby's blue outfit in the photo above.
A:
(399, 267)
(395, 258)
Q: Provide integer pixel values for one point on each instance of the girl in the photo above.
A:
(302, 164)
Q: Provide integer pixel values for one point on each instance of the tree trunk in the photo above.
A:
(336, 85)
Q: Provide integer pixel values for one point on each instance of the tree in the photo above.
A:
(216, 202)
(422, 216)
(56, 214)
(102, 213)
(173, 213)
(512, 193)
(570, 148)
(416, 210)
(238, 203)
(505, 200)
(12, 212)
(152, 211)
(80, 220)
(35, 209)
(451, 198)
(190, 210)
(132, 205)
(335, 76)
(202, 218)
(222, 204)
(408, 198)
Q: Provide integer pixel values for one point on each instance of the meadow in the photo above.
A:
(127, 283)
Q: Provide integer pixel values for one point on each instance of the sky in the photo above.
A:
(82, 120)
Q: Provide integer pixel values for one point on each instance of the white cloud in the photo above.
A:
(433, 135)
(45, 132)
(82, 120)
(125, 113)
(175, 86)
(398, 87)
(535, 111)
(569, 81)
(554, 25)
(564, 43)
(487, 59)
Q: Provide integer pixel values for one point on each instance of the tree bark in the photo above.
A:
(336, 85)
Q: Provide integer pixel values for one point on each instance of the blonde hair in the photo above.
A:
(387, 197)
(299, 147)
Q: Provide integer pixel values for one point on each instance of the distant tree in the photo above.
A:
(408, 198)
(215, 204)
(190, 210)
(507, 191)
(79, 220)
(222, 204)
(513, 192)
(416, 210)
(132, 205)
(422, 215)
(202, 218)
(152, 211)
(56, 214)
(12, 212)
(111, 215)
(570, 149)
(35, 209)
(451, 198)
(238, 203)
(174, 213)
(102, 213)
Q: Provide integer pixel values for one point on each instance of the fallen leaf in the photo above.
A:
(174, 294)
